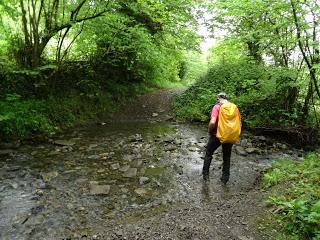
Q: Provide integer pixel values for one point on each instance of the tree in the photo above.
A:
(43, 19)
(277, 30)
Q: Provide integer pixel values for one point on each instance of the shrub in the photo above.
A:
(296, 205)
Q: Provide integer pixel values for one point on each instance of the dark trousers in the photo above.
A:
(212, 145)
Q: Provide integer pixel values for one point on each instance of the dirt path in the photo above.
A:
(135, 176)
(150, 107)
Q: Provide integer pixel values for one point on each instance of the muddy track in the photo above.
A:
(135, 176)
(150, 107)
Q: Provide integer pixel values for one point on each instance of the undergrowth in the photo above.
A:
(295, 201)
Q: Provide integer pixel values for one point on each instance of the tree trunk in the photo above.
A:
(305, 108)
(254, 48)
(312, 70)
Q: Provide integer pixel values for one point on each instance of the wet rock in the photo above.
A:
(12, 145)
(14, 185)
(143, 180)
(140, 191)
(170, 148)
(48, 176)
(178, 169)
(119, 233)
(245, 143)
(115, 166)
(96, 189)
(65, 142)
(14, 169)
(37, 209)
(38, 192)
(241, 151)
(177, 141)
(104, 156)
(261, 138)
(201, 145)
(251, 150)
(81, 209)
(155, 114)
(6, 151)
(53, 153)
(193, 149)
(128, 158)
(244, 238)
(136, 138)
(124, 168)
(124, 190)
(131, 172)
(168, 118)
(94, 157)
(168, 139)
(66, 149)
(94, 145)
(139, 163)
(34, 152)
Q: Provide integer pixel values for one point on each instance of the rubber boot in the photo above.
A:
(226, 150)
(205, 169)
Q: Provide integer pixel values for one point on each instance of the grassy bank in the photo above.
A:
(295, 198)
(28, 117)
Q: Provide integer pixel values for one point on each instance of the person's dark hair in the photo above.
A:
(222, 95)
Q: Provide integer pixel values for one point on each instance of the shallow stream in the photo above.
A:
(90, 180)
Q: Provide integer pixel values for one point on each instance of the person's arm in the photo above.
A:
(213, 119)
(212, 123)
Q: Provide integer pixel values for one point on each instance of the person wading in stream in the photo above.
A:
(224, 129)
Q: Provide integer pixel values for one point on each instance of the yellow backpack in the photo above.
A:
(229, 124)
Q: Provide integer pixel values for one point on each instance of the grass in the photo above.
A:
(295, 198)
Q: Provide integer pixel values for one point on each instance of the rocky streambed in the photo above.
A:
(133, 180)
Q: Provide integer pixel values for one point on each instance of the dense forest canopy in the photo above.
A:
(267, 58)
(95, 51)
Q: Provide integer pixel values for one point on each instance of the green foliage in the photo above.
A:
(261, 92)
(296, 202)
(22, 118)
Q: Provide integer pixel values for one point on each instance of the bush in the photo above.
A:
(21, 118)
(296, 203)
(24, 118)
(256, 89)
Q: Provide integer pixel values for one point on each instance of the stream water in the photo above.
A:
(87, 182)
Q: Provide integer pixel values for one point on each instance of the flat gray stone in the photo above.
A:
(140, 191)
(96, 189)
(252, 150)
(241, 151)
(94, 157)
(65, 142)
(193, 149)
(124, 168)
(131, 172)
(143, 180)
(128, 158)
(48, 176)
(115, 166)
(6, 151)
